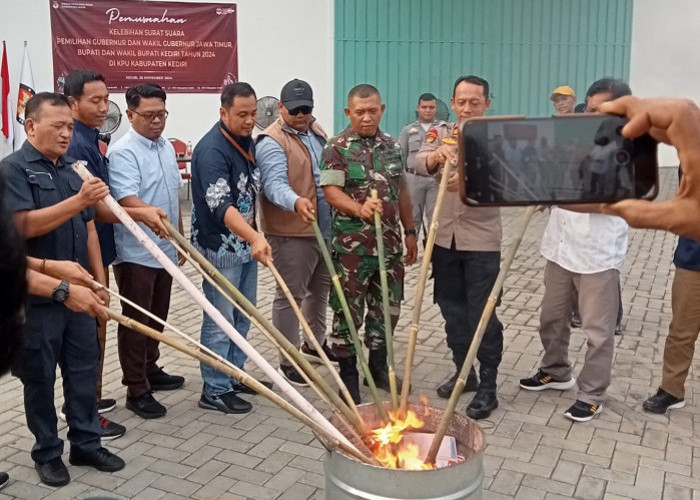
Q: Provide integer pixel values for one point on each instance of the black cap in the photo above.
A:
(297, 93)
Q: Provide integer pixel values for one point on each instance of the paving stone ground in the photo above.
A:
(533, 452)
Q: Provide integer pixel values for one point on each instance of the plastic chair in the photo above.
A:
(181, 151)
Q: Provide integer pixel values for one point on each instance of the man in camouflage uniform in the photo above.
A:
(359, 159)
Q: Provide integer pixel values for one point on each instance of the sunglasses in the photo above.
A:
(304, 110)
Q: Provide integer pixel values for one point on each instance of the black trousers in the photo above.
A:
(58, 336)
(149, 288)
(463, 282)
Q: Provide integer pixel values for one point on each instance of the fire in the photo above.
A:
(387, 443)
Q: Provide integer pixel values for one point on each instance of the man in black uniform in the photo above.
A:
(53, 210)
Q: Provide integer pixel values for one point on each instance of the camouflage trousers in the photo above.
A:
(359, 276)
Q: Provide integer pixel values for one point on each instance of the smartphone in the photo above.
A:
(577, 158)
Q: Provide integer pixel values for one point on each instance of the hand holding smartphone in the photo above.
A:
(581, 158)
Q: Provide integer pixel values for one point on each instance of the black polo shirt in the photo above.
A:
(85, 146)
(34, 182)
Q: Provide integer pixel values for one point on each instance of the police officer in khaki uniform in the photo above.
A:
(422, 186)
(467, 255)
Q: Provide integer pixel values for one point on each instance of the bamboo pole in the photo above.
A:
(420, 288)
(253, 321)
(388, 334)
(205, 348)
(212, 311)
(238, 374)
(381, 410)
(312, 338)
(282, 343)
(478, 335)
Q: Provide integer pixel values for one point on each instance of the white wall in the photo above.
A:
(278, 40)
(665, 53)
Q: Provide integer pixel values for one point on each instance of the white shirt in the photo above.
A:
(585, 243)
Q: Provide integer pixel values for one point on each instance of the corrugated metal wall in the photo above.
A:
(524, 48)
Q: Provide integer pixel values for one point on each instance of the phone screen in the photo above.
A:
(581, 158)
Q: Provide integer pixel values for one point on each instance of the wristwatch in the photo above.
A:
(61, 292)
(406, 232)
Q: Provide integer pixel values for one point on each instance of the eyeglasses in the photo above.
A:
(149, 117)
(304, 110)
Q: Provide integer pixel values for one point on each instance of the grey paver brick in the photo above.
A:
(674, 492)
(506, 482)
(527, 493)
(567, 472)
(548, 485)
(217, 487)
(137, 483)
(590, 488)
(297, 492)
(253, 491)
(284, 479)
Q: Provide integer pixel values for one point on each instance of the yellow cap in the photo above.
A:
(563, 90)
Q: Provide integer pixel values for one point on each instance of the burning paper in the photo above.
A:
(396, 447)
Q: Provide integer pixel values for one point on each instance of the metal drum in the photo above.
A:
(348, 479)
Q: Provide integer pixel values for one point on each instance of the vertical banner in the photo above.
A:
(183, 47)
(6, 139)
(25, 92)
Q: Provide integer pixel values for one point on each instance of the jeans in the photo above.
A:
(245, 278)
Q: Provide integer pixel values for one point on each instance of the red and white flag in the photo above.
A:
(26, 91)
(7, 133)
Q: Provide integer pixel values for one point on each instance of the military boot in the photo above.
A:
(445, 389)
(485, 400)
(380, 371)
(350, 377)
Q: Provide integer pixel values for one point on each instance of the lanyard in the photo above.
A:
(246, 154)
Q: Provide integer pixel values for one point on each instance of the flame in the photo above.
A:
(386, 443)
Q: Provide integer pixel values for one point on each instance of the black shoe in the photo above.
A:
(618, 329)
(106, 405)
(101, 459)
(380, 372)
(581, 411)
(103, 406)
(484, 402)
(445, 389)
(381, 380)
(244, 389)
(53, 472)
(662, 401)
(313, 357)
(292, 375)
(226, 403)
(110, 430)
(146, 406)
(350, 377)
(575, 321)
(161, 381)
(541, 381)
(4, 478)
